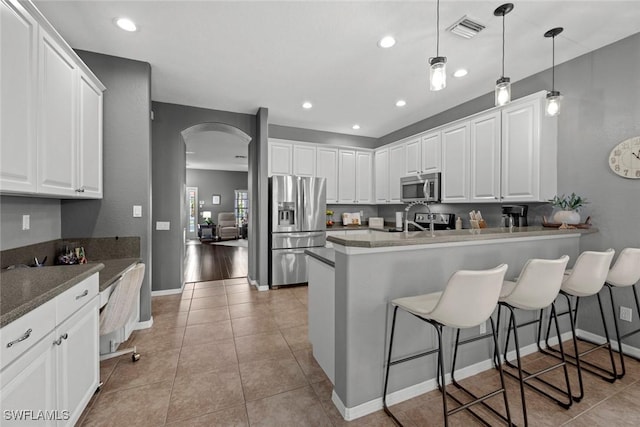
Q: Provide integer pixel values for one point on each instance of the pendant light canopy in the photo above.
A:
(503, 84)
(554, 98)
(437, 64)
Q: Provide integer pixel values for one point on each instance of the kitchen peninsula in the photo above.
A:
(370, 269)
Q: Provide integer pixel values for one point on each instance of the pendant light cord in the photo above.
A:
(553, 64)
(502, 44)
(438, 28)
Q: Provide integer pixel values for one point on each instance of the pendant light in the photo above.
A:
(437, 64)
(503, 84)
(554, 98)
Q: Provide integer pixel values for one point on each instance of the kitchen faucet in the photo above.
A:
(407, 221)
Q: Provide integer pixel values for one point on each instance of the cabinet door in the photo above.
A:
(455, 163)
(396, 171)
(364, 187)
(485, 158)
(381, 171)
(18, 61)
(90, 141)
(280, 156)
(28, 384)
(78, 364)
(304, 160)
(413, 162)
(346, 176)
(431, 151)
(57, 136)
(520, 151)
(327, 167)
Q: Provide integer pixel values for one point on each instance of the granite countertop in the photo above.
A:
(24, 289)
(376, 239)
(326, 255)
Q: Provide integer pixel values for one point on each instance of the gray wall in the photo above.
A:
(44, 218)
(321, 137)
(126, 163)
(169, 180)
(211, 182)
(259, 220)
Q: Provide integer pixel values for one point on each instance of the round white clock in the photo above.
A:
(624, 159)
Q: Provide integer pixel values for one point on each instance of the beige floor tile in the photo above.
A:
(187, 294)
(234, 289)
(139, 406)
(154, 340)
(199, 394)
(170, 320)
(169, 304)
(244, 297)
(265, 378)
(291, 318)
(209, 292)
(297, 337)
(207, 332)
(238, 281)
(209, 284)
(208, 315)
(309, 365)
(188, 286)
(151, 368)
(261, 347)
(207, 357)
(107, 367)
(232, 417)
(299, 407)
(323, 389)
(286, 305)
(209, 302)
(249, 309)
(253, 325)
(612, 412)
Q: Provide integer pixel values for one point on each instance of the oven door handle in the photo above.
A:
(425, 190)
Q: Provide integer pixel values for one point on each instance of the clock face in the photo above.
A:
(624, 159)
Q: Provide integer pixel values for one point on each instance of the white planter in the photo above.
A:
(567, 217)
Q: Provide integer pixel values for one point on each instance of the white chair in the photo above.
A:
(624, 273)
(535, 289)
(467, 301)
(121, 305)
(585, 279)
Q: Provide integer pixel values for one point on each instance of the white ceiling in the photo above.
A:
(241, 55)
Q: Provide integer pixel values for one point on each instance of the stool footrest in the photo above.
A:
(534, 376)
(415, 356)
(477, 399)
(592, 368)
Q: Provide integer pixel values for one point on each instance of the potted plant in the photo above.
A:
(567, 208)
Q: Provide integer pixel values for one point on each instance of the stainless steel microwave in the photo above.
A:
(420, 187)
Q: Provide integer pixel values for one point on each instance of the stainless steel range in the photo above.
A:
(441, 221)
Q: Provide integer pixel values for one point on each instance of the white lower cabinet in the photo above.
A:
(52, 381)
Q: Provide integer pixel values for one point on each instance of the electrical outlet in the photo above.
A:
(625, 313)
(483, 328)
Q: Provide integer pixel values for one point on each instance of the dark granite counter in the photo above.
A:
(326, 255)
(113, 269)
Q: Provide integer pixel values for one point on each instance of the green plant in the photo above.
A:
(329, 212)
(568, 203)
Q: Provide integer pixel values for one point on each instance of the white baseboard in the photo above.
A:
(257, 285)
(144, 325)
(167, 292)
(410, 392)
(626, 349)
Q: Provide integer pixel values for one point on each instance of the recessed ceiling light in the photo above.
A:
(355, 127)
(401, 103)
(386, 42)
(460, 73)
(306, 105)
(126, 24)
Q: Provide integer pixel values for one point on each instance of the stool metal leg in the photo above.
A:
(443, 386)
(386, 376)
(615, 323)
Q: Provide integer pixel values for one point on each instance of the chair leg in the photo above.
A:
(512, 325)
(386, 376)
(496, 351)
(608, 344)
(443, 386)
(617, 329)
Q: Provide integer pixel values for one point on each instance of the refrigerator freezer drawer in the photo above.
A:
(297, 240)
(288, 266)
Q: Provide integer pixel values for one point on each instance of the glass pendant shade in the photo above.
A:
(437, 73)
(553, 104)
(503, 91)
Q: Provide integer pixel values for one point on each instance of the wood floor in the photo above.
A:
(205, 262)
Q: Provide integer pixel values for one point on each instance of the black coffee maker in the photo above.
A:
(517, 212)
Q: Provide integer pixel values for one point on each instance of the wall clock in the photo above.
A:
(624, 159)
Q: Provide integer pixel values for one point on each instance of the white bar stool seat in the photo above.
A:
(467, 301)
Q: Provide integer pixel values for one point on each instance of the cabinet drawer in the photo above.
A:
(74, 298)
(21, 334)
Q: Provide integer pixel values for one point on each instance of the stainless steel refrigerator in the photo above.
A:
(297, 222)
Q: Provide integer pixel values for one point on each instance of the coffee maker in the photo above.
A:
(517, 212)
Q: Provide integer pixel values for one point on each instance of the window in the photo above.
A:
(241, 207)
(192, 197)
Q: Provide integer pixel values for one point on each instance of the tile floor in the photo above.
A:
(223, 354)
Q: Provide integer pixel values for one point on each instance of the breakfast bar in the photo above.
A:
(370, 269)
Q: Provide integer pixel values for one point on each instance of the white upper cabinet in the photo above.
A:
(347, 176)
(364, 169)
(280, 158)
(304, 160)
(455, 162)
(485, 158)
(413, 161)
(19, 51)
(431, 152)
(397, 169)
(327, 167)
(51, 111)
(381, 173)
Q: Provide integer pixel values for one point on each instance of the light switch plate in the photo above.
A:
(137, 211)
(163, 225)
(26, 222)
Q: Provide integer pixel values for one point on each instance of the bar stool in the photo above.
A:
(624, 273)
(535, 289)
(467, 301)
(585, 279)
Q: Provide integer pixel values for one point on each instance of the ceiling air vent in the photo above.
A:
(466, 28)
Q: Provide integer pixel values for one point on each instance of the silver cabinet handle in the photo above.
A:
(62, 337)
(80, 190)
(22, 338)
(84, 294)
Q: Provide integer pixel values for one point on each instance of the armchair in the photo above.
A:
(227, 228)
